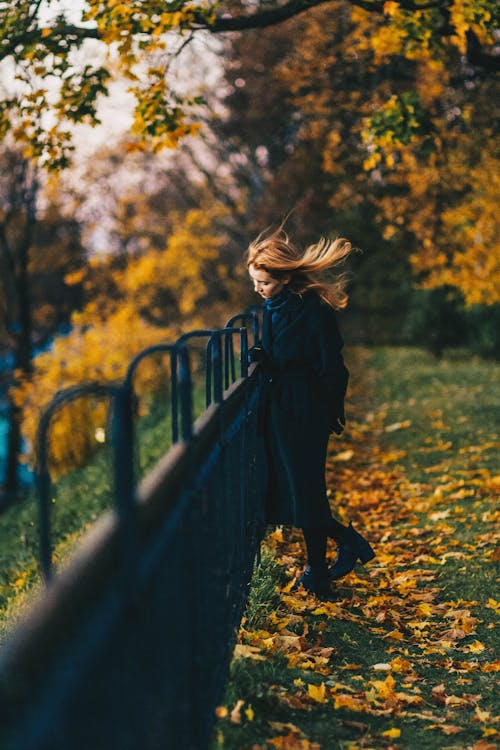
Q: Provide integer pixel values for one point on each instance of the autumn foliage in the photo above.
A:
(156, 297)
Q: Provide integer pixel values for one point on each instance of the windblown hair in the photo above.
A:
(274, 253)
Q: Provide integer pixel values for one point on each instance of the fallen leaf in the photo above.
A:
(293, 742)
(446, 728)
(235, 716)
(493, 666)
(355, 725)
(243, 651)
(279, 726)
(392, 733)
(317, 692)
(474, 648)
(395, 634)
(438, 695)
(398, 426)
(400, 665)
(343, 456)
(481, 715)
(489, 732)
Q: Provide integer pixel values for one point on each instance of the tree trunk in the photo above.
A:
(23, 352)
(13, 448)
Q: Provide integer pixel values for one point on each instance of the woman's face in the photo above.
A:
(265, 284)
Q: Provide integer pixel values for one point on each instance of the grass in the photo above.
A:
(405, 655)
(78, 498)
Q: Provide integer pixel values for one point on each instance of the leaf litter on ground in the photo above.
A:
(393, 660)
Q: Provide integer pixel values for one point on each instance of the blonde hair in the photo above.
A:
(273, 252)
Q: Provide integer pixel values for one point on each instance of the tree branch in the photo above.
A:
(73, 34)
(259, 20)
(25, 38)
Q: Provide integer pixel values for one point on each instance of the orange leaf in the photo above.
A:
(446, 728)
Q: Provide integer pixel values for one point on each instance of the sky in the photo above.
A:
(198, 65)
(115, 111)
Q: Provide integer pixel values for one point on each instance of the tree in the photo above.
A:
(419, 194)
(158, 295)
(42, 52)
(37, 250)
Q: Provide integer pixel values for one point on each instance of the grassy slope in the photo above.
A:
(418, 470)
(78, 499)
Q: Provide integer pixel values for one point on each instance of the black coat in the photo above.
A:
(305, 380)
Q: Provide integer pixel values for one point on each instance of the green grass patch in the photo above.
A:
(414, 636)
(78, 499)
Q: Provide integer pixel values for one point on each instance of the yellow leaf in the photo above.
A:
(249, 713)
(317, 692)
(392, 733)
(493, 604)
(474, 648)
(343, 456)
(400, 665)
(384, 688)
(398, 426)
(489, 731)
(482, 715)
(395, 634)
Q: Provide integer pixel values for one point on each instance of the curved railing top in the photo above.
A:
(220, 371)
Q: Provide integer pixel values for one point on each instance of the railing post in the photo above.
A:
(249, 314)
(243, 352)
(186, 395)
(42, 473)
(208, 373)
(123, 444)
(217, 365)
(174, 395)
(43, 484)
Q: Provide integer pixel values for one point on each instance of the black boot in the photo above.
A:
(315, 581)
(351, 548)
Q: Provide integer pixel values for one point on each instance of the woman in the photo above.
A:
(305, 380)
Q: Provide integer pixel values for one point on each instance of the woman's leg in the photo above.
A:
(315, 577)
(315, 539)
(337, 531)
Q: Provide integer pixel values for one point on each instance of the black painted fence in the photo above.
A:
(128, 647)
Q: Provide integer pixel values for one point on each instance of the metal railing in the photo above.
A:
(130, 645)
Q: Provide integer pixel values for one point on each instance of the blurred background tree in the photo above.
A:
(39, 245)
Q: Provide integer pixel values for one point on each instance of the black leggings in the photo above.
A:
(315, 539)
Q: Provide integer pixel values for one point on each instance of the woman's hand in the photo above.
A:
(257, 354)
